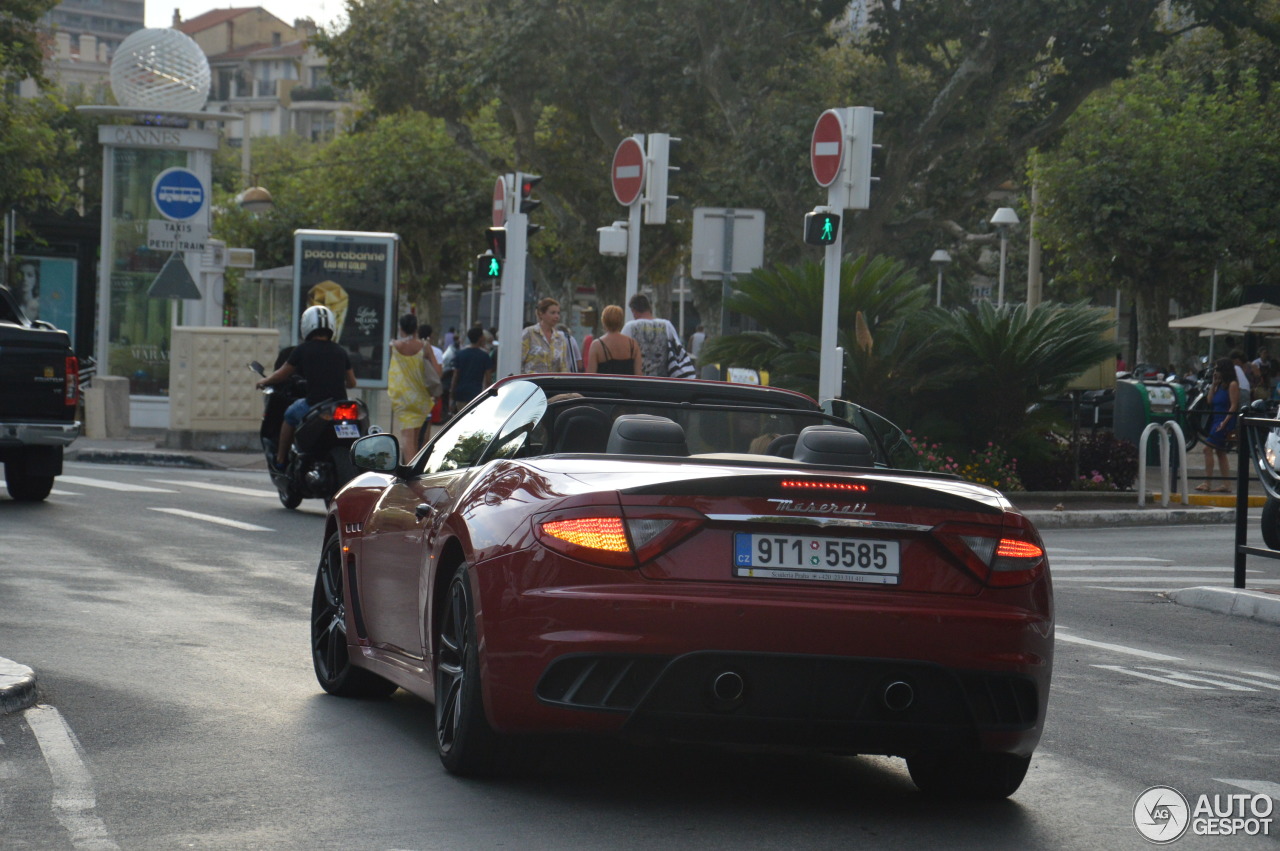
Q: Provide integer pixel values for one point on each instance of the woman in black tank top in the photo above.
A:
(614, 353)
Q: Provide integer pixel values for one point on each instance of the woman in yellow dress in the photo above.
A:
(543, 348)
(407, 384)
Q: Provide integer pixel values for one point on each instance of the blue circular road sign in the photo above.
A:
(178, 194)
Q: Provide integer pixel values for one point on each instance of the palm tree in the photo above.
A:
(995, 362)
(786, 302)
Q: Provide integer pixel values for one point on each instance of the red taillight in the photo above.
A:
(71, 382)
(603, 535)
(348, 411)
(1001, 556)
(790, 484)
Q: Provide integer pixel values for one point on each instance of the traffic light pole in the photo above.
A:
(830, 365)
(633, 252)
(511, 311)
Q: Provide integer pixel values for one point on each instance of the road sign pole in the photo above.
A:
(511, 314)
(633, 250)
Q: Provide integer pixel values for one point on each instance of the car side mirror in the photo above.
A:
(379, 453)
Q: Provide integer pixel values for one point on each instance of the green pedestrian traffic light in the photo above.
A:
(489, 267)
(821, 227)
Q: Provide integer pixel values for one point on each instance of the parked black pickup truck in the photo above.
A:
(39, 396)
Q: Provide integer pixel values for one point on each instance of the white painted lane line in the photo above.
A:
(1117, 648)
(1259, 787)
(1102, 559)
(1165, 680)
(1235, 677)
(73, 795)
(220, 488)
(1263, 675)
(107, 484)
(1207, 578)
(1193, 678)
(210, 518)
(1137, 568)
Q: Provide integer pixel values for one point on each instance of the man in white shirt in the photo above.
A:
(652, 335)
(695, 343)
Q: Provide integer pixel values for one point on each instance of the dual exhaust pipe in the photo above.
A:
(728, 688)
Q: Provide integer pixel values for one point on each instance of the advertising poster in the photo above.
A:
(46, 289)
(353, 274)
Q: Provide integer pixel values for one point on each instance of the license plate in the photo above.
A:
(816, 559)
(346, 429)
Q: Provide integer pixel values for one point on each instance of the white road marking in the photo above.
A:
(210, 518)
(1116, 648)
(1259, 787)
(1165, 680)
(1101, 559)
(1136, 568)
(1263, 675)
(220, 488)
(1238, 678)
(107, 484)
(73, 795)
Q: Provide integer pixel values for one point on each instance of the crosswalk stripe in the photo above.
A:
(1123, 670)
(270, 494)
(210, 518)
(1116, 648)
(107, 484)
(1260, 787)
(1138, 568)
(1055, 558)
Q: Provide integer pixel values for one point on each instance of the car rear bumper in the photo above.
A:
(866, 672)
(38, 434)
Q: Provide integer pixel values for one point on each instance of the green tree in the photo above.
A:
(1155, 181)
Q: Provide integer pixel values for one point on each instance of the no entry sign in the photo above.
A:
(627, 173)
(826, 152)
(500, 202)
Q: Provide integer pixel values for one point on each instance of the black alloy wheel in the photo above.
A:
(468, 745)
(329, 652)
(968, 774)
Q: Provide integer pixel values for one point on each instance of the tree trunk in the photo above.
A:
(1154, 336)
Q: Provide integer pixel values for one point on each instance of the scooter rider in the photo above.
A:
(322, 363)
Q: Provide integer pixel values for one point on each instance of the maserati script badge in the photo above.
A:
(847, 508)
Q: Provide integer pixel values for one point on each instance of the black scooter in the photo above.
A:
(320, 458)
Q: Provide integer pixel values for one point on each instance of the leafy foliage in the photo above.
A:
(1106, 463)
(988, 465)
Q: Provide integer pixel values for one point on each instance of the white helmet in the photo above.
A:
(317, 318)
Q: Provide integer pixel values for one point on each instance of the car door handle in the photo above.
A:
(423, 511)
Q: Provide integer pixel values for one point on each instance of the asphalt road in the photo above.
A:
(166, 611)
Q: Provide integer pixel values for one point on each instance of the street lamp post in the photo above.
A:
(1004, 219)
(940, 259)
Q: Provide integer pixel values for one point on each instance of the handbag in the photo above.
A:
(434, 385)
(679, 364)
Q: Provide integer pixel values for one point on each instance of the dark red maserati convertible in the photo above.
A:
(693, 561)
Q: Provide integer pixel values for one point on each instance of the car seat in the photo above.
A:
(580, 429)
(783, 445)
(834, 445)
(646, 434)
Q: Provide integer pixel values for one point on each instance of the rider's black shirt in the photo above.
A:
(324, 364)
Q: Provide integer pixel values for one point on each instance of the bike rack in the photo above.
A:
(1169, 430)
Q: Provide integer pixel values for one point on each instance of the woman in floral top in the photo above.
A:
(542, 347)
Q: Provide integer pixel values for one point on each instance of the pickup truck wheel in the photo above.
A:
(25, 487)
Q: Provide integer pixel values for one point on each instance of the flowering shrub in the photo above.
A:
(1107, 463)
(989, 465)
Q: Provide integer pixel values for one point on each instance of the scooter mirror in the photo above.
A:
(257, 367)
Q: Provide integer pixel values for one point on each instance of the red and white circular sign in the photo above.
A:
(826, 151)
(500, 202)
(627, 173)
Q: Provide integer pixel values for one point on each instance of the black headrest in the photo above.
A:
(646, 434)
(782, 445)
(581, 429)
(829, 444)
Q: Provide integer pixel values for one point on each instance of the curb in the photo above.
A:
(142, 458)
(17, 686)
(1257, 605)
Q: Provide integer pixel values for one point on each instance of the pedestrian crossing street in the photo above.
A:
(1081, 569)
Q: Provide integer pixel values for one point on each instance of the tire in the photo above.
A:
(24, 487)
(1271, 523)
(968, 774)
(289, 497)
(468, 746)
(329, 651)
